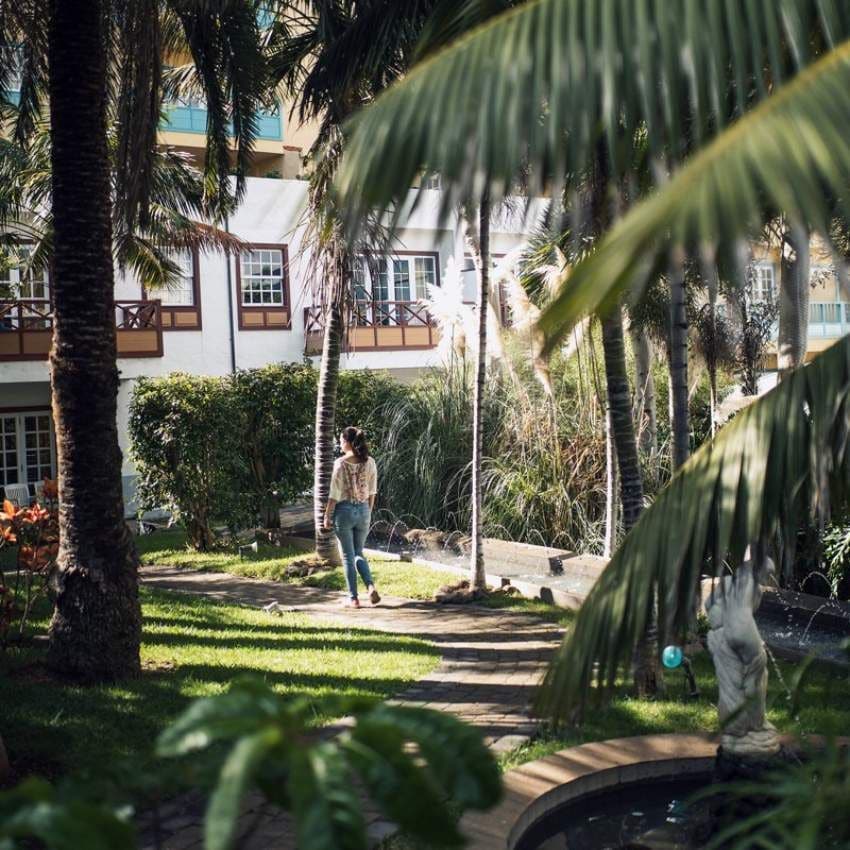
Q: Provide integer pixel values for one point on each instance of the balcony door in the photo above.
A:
(27, 448)
(397, 285)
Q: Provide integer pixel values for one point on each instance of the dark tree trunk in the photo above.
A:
(645, 414)
(479, 580)
(96, 627)
(794, 294)
(679, 367)
(325, 425)
(646, 669)
(620, 411)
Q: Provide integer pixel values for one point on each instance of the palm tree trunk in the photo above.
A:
(679, 367)
(646, 669)
(479, 581)
(96, 627)
(620, 412)
(325, 427)
(794, 292)
(646, 420)
(611, 496)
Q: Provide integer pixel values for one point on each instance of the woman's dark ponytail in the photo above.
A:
(357, 440)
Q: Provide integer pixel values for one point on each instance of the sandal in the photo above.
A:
(352, 603)
(374, 597)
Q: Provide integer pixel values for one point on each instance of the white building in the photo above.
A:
(233, 313)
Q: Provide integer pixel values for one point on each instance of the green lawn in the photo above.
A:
(192, 647)
(394, 578)
(822, 708)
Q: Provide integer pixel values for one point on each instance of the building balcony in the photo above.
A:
(376, 326)
(26, 329)
(829, 320)
(192, 118)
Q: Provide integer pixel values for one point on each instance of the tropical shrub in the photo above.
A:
(274, 409)
(234, 449)
(420, 767)
(31, 537)
(836, 548)
(363, 399)
(185, 445)
(543, 465)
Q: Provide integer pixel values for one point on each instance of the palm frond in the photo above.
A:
(789, 153)
(23, 55)
(539, 85)
(225, 44)
(138, 108)
(784, 453)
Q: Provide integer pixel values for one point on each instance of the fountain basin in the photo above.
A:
(536, 794)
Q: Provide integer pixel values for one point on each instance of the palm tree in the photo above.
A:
(480, 244)
(664, 67)
(794, 291)
(333, 58)
(76, 56)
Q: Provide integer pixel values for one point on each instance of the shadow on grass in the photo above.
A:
(52, 726)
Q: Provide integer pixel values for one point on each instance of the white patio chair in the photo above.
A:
(18, 494)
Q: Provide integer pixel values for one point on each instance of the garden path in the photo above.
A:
(492, 660)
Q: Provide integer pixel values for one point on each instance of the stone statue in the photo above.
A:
(740, 661)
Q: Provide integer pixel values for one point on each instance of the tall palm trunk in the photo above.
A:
(96, 626)
(679, 367)
(646, 669)
(610, 490)
(620, 412)
(645, 414)
(794, 292)
(325, 438)
(479, 581)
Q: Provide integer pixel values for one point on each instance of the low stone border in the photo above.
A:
(533, 790)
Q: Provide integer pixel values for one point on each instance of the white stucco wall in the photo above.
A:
(270, 213)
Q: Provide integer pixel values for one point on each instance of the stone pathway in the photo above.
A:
(492, 660)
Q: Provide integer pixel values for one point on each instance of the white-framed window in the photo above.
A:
(432, 181)
(27, 448)
(262, 277)
(395, 285)
(764, 283)
(180, 292)
(424, 275)
(19, 283)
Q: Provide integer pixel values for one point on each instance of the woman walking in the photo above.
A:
(353, 488)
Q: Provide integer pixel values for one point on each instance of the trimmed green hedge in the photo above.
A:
(234, 449)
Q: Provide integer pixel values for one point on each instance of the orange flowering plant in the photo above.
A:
(32, 534)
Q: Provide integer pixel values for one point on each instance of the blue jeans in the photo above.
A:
(351, 525)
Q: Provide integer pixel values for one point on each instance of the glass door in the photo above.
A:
(27, 448)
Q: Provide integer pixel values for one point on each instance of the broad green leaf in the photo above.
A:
(403, 789)
(35, 811)
(243, 710)
(454, 751)
(242, 762)
(326, 803)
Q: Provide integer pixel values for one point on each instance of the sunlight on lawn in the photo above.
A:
(192, 647)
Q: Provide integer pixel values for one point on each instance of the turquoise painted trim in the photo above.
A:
(193, 119)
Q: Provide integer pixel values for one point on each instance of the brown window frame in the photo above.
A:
(263, 309)
(171, 310)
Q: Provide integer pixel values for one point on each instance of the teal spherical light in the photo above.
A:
(672, 657)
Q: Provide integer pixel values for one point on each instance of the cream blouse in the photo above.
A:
(353, 481)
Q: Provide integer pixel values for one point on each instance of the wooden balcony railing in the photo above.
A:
(26, 329)
(377, 326)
